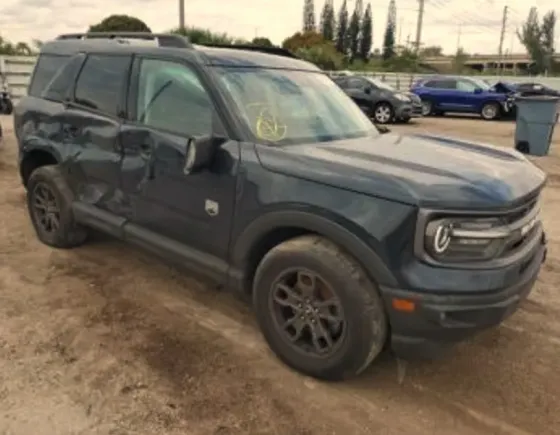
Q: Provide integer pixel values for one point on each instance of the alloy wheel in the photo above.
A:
(383, 114)
(307, 313)
(45, 208)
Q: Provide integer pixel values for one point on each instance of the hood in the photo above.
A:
(504, 88)
(421, 170)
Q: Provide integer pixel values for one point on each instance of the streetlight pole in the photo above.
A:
(181, 14)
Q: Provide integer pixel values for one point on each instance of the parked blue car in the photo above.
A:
(442, 94)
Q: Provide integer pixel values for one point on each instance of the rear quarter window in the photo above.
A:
(45, 69)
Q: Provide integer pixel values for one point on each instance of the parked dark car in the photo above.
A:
(6, 104)
(250, 167)
(446, 94)
(379, 100)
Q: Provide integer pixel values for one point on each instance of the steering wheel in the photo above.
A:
(267, 126)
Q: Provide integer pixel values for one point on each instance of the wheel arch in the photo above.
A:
(274, 228)
(35, 157)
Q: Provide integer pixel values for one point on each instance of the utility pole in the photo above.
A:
(419, 25)
(502, 35)
(400, 31)
(181, 14)
(459, 31)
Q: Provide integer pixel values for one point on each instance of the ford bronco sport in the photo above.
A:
(252, 168)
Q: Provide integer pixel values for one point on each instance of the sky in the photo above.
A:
(474, 25)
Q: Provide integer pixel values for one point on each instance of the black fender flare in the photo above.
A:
(267, 223)
(34, 146)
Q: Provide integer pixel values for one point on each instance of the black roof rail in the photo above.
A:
(163, 39)
(278, 51)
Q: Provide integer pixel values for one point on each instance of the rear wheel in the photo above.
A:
(383, 113)
(490, 111)
(49, 203)
(318, 310)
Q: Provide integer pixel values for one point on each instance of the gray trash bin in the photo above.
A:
(536, 118)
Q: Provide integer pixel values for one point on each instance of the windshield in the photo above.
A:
(381, 85)
(481, 83)
(291, 107)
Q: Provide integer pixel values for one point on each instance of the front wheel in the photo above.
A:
(383, 113)
(317, 309)
(490, 111)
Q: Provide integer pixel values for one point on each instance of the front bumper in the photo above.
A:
(440, 320)
(403, 111)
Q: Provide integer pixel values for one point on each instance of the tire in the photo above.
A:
(48, 183)
(490, 111)
(383, 113)
(427, 108)
(7, 107)
(363, 332)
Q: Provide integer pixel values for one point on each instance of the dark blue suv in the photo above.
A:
(441, 94)
(253, 169)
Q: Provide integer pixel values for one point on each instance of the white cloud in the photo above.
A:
(24, 20)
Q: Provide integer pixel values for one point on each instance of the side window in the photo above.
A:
(343, 83)
(100, 83)
(466, 86)
(441, 84)
(45, 69)
(355, 83)
(57, 88)
(172, 98)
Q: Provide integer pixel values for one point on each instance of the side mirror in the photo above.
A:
(478, 91)
(367, 90)
(200, 152)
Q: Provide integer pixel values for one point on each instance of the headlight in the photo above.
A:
(459, 240)
(403, 97)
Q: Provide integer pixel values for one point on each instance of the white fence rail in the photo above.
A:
(15, 72)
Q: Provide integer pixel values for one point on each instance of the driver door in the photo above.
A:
(360, 91)
(168, 104)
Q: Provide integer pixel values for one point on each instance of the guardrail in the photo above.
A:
(15, 72)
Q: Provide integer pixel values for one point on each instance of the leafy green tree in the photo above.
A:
(9, 48)
(327, 23)
(324, 56)
(548, 27)
(538, 39)
(262, 42)
(199, 35)
(341, 40)
(366, 39)
(120, 23)
(389, 39)
(303, 40)
(309, 16)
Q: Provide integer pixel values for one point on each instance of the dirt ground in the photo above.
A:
(107, 340)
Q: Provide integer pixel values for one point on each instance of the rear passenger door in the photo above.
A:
(443, 93)
(92, 120)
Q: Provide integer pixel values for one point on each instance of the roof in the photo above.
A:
(119, 42)
(221, 56)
